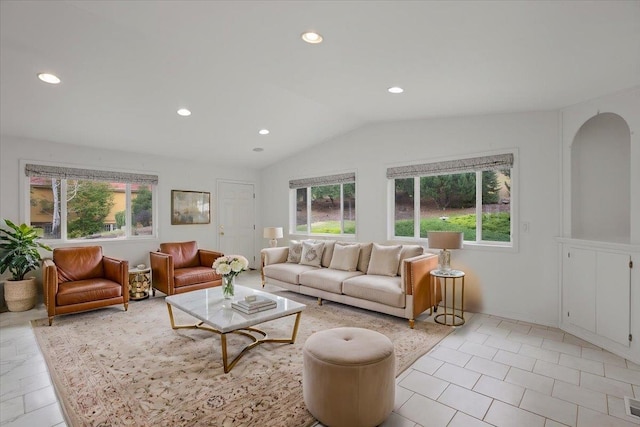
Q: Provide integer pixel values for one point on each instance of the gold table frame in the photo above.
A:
(454, 275)
(241, 331)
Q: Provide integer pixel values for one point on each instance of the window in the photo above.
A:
(324, 205)
(470, 195)
(81, 204)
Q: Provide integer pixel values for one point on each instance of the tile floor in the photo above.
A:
(490, 372)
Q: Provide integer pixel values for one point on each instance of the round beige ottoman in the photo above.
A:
(349, 377)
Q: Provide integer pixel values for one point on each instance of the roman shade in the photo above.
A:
(60, 172)
(471, 164)
(342, 178)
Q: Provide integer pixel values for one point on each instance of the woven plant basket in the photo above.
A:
(20, 295)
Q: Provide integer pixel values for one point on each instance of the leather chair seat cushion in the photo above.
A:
(89, 290)
(383, 289)
(327, 279)
(193, 276)
(287, 272)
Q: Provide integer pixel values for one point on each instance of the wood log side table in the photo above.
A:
(139, 283)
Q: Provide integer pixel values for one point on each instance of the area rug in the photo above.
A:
(116, 368)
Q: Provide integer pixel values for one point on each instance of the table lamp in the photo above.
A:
(445, 240)
(272, 233)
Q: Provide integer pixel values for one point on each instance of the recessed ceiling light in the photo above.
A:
(312, 37)
(49, 78)
(258, 149)
(184, 112)
(263, 131)
(395, 89)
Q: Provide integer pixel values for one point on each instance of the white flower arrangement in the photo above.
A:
(230, 265)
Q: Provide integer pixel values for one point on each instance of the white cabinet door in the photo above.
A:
(579, 288)
(613, 287)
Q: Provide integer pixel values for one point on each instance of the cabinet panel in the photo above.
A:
(613, 280)
(579, 288)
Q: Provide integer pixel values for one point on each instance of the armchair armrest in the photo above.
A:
(274, 255)
(161, 272)
(419, 283)
(208, 257)
(49, 285)
(118, 271)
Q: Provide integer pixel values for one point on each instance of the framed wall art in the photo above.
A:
(190, 207)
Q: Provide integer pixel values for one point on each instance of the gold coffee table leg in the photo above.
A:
(247, 332)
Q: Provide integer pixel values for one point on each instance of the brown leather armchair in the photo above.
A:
(81, 278)
(182, 267)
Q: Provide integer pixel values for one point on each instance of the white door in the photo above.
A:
(236, 220)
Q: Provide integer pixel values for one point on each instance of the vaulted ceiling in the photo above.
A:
(240, 66)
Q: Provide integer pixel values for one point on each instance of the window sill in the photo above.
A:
(491, 246)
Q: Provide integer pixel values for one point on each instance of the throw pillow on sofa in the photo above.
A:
(365, 254)
(384, 260)
(327, 253)
(295, 251)
(345, 257)
(409, 251)
(312, 253)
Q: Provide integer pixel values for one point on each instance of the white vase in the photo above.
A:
(228, 283)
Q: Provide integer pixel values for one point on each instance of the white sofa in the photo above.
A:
(370, 282)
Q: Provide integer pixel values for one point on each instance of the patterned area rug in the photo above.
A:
(116, 368)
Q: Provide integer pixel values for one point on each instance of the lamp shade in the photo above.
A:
(445, 239)
(272, 232)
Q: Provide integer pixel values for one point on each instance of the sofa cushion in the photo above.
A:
(327, 279)
(286, 272)
(383, 289)
(89, 290)
(311, 253)
(327, 253)
(384, 260)
(193, 275)
(409, 251)
(345, 257)
(185, 254)
(78, 263)
(295, 251)
(365, 254)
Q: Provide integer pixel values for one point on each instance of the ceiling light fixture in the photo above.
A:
(312, 37)
(49, 78)
(184, 112)
(395, 89)
(258, 149)
(263, 131)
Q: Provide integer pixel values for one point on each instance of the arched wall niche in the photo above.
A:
(601, 180)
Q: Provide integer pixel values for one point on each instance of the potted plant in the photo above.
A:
(19, 254)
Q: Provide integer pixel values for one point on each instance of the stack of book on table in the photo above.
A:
(249, 307)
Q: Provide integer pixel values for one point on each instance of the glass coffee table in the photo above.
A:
(216, 315)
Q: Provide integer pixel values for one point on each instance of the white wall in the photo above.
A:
(174, 174)
(626, 104)
(600, 172)
(520, 284)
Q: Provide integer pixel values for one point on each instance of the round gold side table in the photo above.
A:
(139, 283)
(443, 318)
